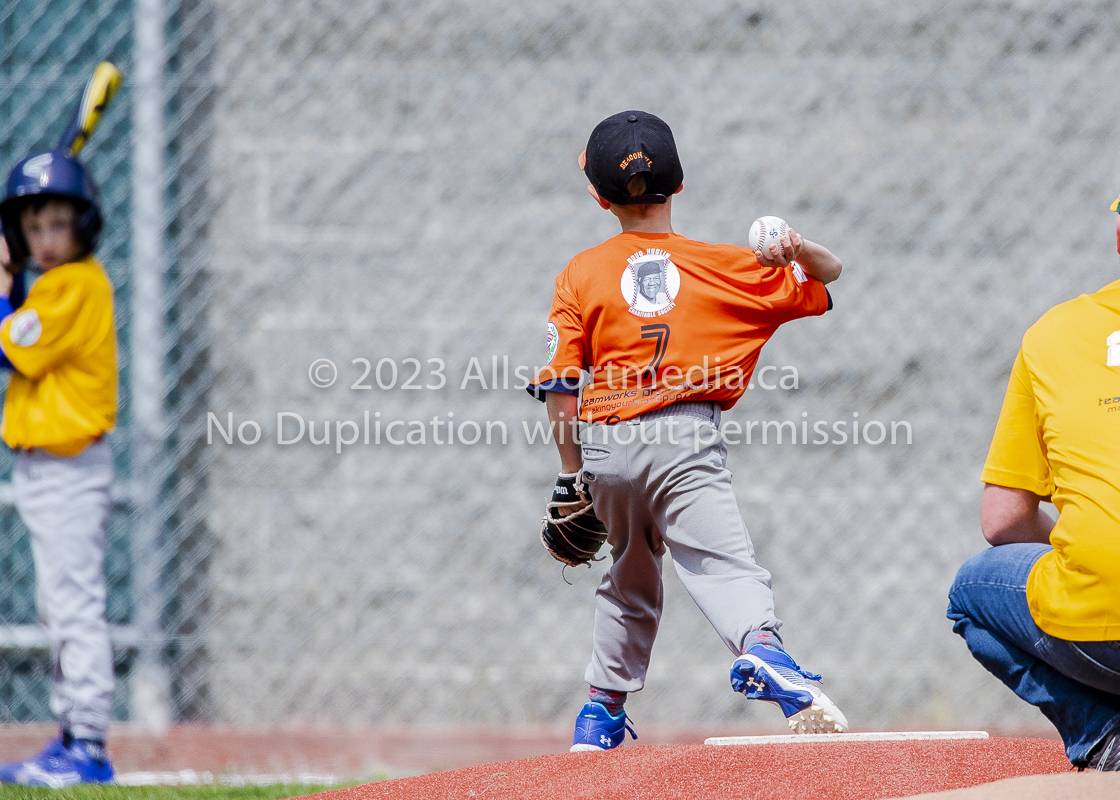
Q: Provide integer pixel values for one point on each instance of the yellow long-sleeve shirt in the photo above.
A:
(63, 344)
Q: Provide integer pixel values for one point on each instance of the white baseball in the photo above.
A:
(766, 231)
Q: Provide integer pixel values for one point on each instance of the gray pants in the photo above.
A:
(652, 494)
(65, 504)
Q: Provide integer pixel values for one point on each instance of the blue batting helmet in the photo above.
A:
(51, 174)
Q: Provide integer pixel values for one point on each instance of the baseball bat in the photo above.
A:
(98, 92)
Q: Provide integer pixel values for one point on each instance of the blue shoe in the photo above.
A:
(57, 766)
(596, 729)
(765, 673)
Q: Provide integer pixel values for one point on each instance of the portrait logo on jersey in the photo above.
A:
(26, 328)
(552, 341)
(650, 283)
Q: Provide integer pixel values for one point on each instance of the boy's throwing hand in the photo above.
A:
(780, 256)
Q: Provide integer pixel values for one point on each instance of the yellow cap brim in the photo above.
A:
(1115, 205)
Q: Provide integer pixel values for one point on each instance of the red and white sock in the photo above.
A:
(612, 700)
(766, 638)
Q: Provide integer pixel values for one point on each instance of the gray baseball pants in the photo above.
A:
(662, 482)
(65, 504)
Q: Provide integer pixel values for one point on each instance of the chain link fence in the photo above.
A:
(392, 186)
(47, 51)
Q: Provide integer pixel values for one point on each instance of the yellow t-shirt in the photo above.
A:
(1059, 435)
(64, 347)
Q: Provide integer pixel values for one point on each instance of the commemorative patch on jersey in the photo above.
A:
(650, 283)
(798, 272)
(26, 328)
(552, 341)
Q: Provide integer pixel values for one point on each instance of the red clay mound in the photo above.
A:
(1088, 785)
(827, 771)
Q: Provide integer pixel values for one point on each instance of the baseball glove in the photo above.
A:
(572, 538)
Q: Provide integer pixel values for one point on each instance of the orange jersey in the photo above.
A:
(658, 318)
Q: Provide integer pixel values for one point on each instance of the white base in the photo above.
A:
(820, 738)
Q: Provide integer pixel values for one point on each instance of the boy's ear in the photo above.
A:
(603, 204)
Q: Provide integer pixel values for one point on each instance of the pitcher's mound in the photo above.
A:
(849, 770)
(1078, 785)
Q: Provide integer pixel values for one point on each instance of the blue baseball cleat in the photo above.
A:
(596, 729)
(58, 766)
(765, 673)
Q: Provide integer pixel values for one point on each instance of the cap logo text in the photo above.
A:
(634, 157)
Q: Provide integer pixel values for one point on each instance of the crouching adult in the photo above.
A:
(1040, 609)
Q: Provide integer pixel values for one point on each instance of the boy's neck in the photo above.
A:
(645, 218)
(75, 260)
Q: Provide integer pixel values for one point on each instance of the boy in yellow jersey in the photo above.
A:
(62, 398)
(1041, 609)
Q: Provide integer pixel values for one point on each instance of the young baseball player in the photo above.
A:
(62, 396)
(669, 331)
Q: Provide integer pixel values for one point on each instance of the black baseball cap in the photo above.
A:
(629, 143)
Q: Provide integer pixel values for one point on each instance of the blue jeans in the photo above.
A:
(1075, 684)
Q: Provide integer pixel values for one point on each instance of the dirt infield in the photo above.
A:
(830, 771)
(1082, 786)
(348, 753)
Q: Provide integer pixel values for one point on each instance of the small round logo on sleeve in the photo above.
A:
(26, 328)
(552, 341)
